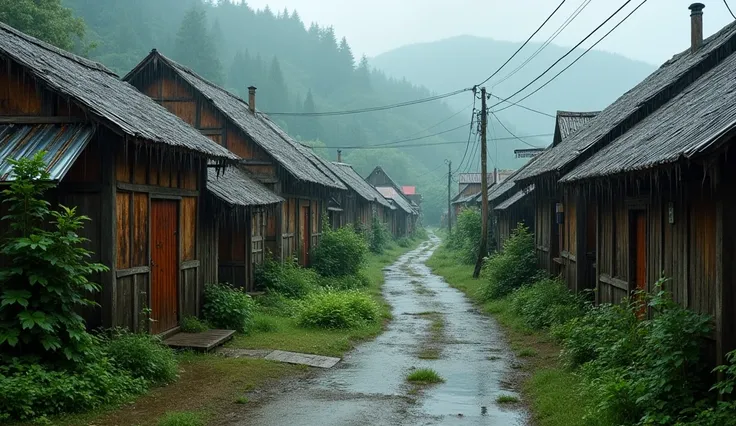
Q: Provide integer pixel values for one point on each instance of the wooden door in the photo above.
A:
(164, 264)
(639, 255)
(304, 233)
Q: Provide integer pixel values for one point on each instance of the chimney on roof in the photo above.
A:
(252, 99)
(696, 26)
(339, 156)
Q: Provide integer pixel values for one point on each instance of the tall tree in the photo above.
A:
(311, 128)
(363, 74)
(195, 47)
(47, 20)
(277, 91)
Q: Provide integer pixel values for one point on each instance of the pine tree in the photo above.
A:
(363, 74)
(195, 47)
(311, 127)
(277, 93)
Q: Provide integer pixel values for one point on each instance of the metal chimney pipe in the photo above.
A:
(339, 156)
(696, 26)
(252, 99)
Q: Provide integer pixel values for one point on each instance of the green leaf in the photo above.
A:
(12, 297)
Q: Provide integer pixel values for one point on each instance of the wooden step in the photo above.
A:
(204, 341)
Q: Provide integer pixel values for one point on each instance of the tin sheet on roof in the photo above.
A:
(63, 144)
(235, 187)
(391, 193)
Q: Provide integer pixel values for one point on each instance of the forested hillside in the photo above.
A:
(297, 67)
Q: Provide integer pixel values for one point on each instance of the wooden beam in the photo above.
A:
(151, 189)
(618, 283)
(40, 120)
(189, 264)
(247, 162)
(132, 271)
(212, 132)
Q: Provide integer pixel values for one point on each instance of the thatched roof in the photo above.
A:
(497, 191)
(520, 195)
(114, 103)
(236, 188)
(636, 104)
(258, 127)
(354, 181)
(680, 129)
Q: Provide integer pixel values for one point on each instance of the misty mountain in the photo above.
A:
(443, 66)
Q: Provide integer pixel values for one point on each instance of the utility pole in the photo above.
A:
(449, 183)
(483, 184)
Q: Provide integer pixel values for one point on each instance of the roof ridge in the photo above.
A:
(577, 113)
(87, 63)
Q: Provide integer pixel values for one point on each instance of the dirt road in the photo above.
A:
(434, 326)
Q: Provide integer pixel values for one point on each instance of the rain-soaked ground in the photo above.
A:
(433, 326)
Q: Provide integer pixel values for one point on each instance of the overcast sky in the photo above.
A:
(653, 34)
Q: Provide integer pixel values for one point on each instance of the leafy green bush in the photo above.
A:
(639, 371)
(465, 237)
(191, 324)
(338, 309)
(142, 355)
(546, 303)
(228, 307)
(511, 268)
(339, 253)
(277, 304)
(348, 282)
(419, 233)
(712, 412)
(287, 278)
(46, 283)
(264, 323)
(31, 390)
(379, 236)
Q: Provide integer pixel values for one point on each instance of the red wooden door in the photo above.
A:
(164, 260)
(640, 253)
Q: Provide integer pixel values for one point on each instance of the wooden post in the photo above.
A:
(483, 184)
(108, 231)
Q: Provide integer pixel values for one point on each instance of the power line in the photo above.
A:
(579, 57)
(524, 44)
(512, 133)
(433, 144)
(423, 137)
(547, 42)
(729, 9)
(470, 131)
(430, 172)
(443, 121)
(524, 107)
(371, 109)
(566, 54)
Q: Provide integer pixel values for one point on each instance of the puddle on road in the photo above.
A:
(369, 386)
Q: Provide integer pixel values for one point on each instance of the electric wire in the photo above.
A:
(567, 54)
(436, 143)
(546, 43)
(512, 133)
(578, 58)
(371, 109)
(729, 9)
(524, 107)
(523, 44)
(422, 137)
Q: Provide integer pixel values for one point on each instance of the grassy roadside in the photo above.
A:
(548, 389)
(209, 385)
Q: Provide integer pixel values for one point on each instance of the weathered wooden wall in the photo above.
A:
(546, 235)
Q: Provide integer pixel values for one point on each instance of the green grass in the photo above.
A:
(551, 391)
(429, 353)
(182, 418)
(424, 376)
(507, 399)
(273, 331)
(242, 400)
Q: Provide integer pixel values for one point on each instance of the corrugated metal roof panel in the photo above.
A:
(62, 142)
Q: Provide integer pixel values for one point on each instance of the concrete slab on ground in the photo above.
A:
(303, 359)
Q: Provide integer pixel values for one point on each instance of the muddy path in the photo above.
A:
(434, 326)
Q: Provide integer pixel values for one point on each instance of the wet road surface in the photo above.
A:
(431, 320)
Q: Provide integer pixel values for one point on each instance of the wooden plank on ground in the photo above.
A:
(303, 359)
(204, 341)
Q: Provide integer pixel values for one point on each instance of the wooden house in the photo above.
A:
(269, 154)
(124, 161)
(663, 184)
(238, 207)
(510, 204)
(405, 216)
(362, 201)
(560, 248)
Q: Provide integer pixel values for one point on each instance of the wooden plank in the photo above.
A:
(132, 271)
(204, 341)
(189, 264)
(188, 227)
(615, 282)
(123, 230)
(164, 267)
(40, 120)
(140, 229)
(157, 190)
